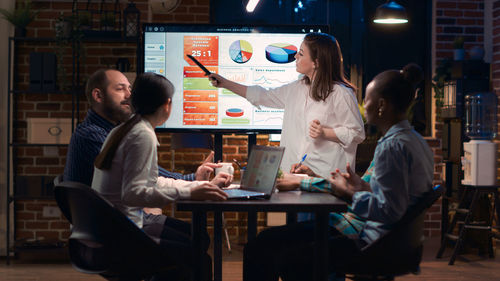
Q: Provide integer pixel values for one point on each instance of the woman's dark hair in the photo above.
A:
(325, 50)
(398, 86)
(149, 92)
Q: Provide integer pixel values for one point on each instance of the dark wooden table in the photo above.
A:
(290, 202)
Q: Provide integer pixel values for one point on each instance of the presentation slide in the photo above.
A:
(247, 55)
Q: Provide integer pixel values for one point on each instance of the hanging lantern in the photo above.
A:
(131, 21)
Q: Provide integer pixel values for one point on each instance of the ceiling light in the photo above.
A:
(390, 13)
(251, 5)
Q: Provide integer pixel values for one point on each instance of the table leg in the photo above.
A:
(251, 226)
(321, 249)
(199, 226)
(217, 246)
(291, 217)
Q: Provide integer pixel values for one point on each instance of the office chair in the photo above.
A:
(58, 179)
(104, 241)
(398, 252)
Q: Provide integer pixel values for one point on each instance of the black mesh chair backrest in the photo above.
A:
(400, 250)
(103, 240)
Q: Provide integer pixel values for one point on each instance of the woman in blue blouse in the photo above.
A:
(400, 173)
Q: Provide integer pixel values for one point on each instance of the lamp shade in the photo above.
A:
(390, 13)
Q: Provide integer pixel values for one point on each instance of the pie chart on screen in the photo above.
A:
(281, 52)
(240, 51)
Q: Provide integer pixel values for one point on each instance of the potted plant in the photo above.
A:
(458, 46)
(84, 20)
(107, 21)
(20, 17)
(64, 26)
(442, 74)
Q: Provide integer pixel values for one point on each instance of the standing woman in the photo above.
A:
(321, 116)
(126, 169)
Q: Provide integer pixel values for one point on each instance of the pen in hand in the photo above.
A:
(300, 163)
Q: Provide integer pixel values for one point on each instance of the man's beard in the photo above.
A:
(115, 112)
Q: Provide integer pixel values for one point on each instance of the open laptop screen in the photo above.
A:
(262, 168)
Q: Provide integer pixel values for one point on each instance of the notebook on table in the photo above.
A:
(260, 173)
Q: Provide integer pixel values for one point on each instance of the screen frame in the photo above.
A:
(226, 28)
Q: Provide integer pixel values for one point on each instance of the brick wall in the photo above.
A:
(30, 224)
(30, 161)
(496, 47)
(458, 18)
(452, 18)
(463, 18)
(495, 65)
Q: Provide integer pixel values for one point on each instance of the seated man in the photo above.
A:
(108, 94)
(401, 172)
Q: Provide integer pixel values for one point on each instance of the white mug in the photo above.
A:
(227, 168)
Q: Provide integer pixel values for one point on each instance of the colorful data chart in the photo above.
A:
(240, 51)
(204, 48)
(234, 112)
(281, 52)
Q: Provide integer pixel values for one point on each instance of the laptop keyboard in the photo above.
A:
(241, 193)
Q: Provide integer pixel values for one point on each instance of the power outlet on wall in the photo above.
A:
(51, 212)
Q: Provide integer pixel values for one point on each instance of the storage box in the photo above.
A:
(49, 130)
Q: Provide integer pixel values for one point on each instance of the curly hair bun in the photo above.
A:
(413, 73)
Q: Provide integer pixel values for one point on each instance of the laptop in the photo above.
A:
(260, 174)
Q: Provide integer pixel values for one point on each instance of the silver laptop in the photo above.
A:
(260, 174)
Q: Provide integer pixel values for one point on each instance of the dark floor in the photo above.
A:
(472, 268)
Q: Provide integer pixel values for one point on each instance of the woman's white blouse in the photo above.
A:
(132, 183)
(339, 111)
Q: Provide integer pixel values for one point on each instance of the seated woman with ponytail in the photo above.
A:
(401, 172)
(126, 170)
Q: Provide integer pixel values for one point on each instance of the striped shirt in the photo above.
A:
(85, 145)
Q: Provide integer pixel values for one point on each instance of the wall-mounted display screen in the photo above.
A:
(250, 55)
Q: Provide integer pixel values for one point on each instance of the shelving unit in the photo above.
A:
(11, 193)
(13, 92)
(466, 77)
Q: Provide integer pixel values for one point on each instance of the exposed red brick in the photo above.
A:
(36, 206)
(473, 14)
(453, 13)
(25, 234)
(203, 2)
(48, 106)
(35, 170)
(466, 21)
(229, 149)
(36, 97)
(47, 161)
(59, 225)
(202, 18)
(56, 170)
(25, 215)
(37, 225)
(468, 5)
(45, 33)
(47, 234)
(446, 5)
(65, 235)
(62, 5)
(33, 151)
(60, 115)
(184, 18)
(24, 161)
